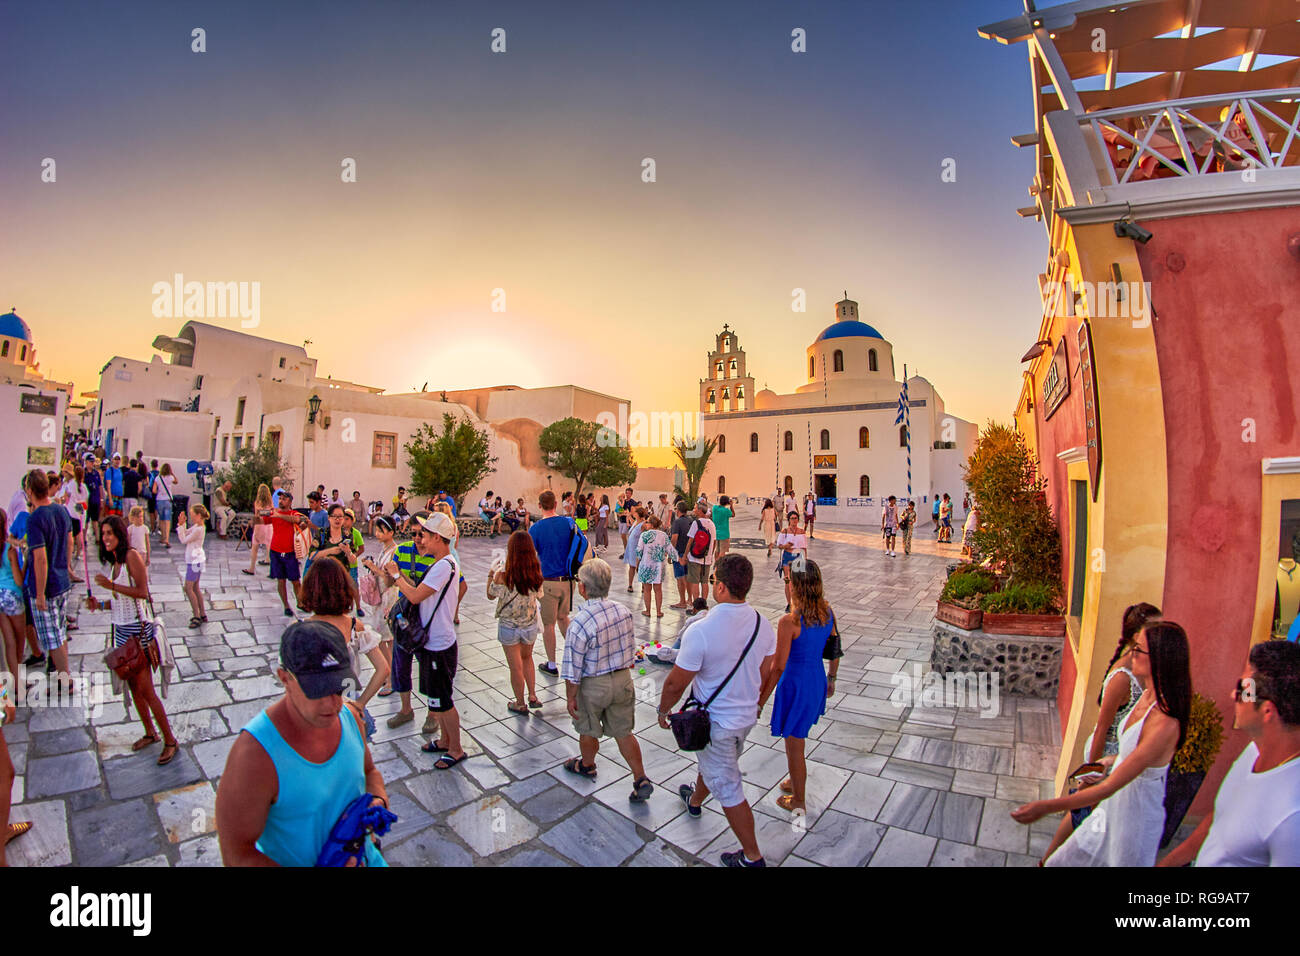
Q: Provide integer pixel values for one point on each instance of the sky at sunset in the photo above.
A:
(521, 171)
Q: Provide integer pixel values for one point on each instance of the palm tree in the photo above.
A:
(694, 459)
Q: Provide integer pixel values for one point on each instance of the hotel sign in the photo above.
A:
(1091, 414)
(1056, 383)
(823, 461)
(38, 404)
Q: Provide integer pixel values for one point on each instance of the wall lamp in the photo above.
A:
(313, 408)
(1037, 349)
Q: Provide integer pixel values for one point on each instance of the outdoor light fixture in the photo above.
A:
(1128, 229)
(1037, 349)
(313, 407)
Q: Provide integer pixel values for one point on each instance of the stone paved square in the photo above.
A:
(887, 785)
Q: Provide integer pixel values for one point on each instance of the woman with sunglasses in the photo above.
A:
(1125, 825)
(1119, 694)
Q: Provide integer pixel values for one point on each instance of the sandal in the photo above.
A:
(786, 802)
(385, 692)
(641, 790)
(432, 748)
(574, 765)
(144, 741)
(168, 753)
(787, 786)
(447, 761)
(16, 830)
(516, 708)
(195, 622)
(534, 703)
(246, 571)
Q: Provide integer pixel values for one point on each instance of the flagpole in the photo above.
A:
(907, 411)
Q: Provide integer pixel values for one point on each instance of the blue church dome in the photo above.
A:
(850, 329)
(14, 327)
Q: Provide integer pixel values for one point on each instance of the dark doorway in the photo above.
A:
(825, 488)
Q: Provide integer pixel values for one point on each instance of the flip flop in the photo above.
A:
(432, 748)
(246, 571)
(515, 708)
(447, 761)
(384, 692)
(143, 742)
(16, 830)
(535, 704)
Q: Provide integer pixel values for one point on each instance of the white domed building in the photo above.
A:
(834, 435)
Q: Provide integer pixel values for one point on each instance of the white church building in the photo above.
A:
(834, 435)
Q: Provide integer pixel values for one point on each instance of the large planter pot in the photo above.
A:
(1180, 791)
(966, 618)
(1028, 625)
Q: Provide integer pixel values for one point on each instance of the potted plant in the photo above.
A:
(1017, 534)
(1026, 608)
(1191, 763)
(959, 602)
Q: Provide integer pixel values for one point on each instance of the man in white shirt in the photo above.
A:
(438, 658)
(710, 649)
(1256, 815)
(699, 553)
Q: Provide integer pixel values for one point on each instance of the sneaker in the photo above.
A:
(401, 717)
(686, 791)
(548, 668)
(34, 659)
(737, 858)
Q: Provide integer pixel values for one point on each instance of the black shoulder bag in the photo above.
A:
(833, 649)
(404, 618)
(690, 725)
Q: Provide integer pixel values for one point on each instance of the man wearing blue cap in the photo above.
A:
(300, 763)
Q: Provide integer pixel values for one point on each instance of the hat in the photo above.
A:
(349, 513)
(439, 524)
(314, 653)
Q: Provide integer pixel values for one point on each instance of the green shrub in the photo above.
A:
(1026, 598)
(965, 585)
(1204, 738)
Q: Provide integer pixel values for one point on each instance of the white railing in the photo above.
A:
(1154, 140)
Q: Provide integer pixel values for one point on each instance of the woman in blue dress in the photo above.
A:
(802, 637)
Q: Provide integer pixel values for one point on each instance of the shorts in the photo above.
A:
(76, 527)
(352, 570)
(193, 572)
(400, 675)
(720, 765)
(555, 601)
(121, 633)
(93, 511)
(508, 635)
(153, 505)
(284, 564)
(164, 509)
(52, 623)
(679, 569)
(697, 573)
(437, 673)
(11, 603)
(606, 705)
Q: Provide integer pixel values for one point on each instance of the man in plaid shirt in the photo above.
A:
(599, 652)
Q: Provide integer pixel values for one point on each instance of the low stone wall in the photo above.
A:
(1030, 666)
(478, 528)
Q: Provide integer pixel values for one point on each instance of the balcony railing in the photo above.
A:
(1197, 136)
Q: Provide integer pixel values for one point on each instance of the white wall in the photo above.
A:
(24, 430)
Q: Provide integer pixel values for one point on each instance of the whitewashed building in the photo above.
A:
(835, 434)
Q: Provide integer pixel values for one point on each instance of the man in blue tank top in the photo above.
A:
(297, 765)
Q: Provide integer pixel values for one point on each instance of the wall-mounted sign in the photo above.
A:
(1091, 414)
(823, 461)
(40, 455)
(1056, 383)
(38, 404)
(860, 502)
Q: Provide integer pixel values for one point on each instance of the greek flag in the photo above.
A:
(902, 404)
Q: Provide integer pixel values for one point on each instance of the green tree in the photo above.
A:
(1016, 526)
(251, 466)
(694, 458)
(587, 452)
(453, 460)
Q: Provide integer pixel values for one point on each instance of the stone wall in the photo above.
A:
(1030, 666)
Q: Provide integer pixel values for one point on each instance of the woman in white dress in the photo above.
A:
(1125, 825)
(1120, 692)
(653, 549)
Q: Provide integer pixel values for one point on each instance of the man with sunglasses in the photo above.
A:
(1256, 815)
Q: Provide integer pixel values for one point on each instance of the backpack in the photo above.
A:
(700, 543)
(577, 549)
(369, 587)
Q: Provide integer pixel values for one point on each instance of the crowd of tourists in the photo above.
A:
(301, 787)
